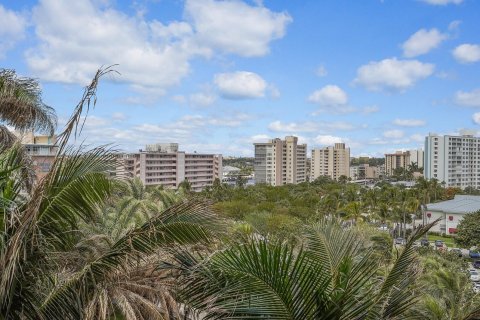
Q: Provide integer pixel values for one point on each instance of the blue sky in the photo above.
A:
(216, 76)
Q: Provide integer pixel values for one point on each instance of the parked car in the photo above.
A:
(457, 251)
(439, 243)
(424, 243)
(383, 228)
(476, 287)
(474, 276)
(400, 241)
(476, 264)
(474, 254)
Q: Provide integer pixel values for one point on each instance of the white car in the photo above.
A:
(476, 287)
(474, 276)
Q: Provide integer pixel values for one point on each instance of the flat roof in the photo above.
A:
(462, 204)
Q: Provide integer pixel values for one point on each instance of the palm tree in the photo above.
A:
(448, 295)
(54, 266)
(22, 108)
(332, 276)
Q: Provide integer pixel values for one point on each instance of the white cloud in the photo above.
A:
(278, 126)
(118, 116)
(395, 133)
(422, 41)
(321, 71)
(236, 27)
(76, 37)
(469, 99)
(442, 2)
(329, 95)
(392, 74)
(202, 99)
(370, 109)
(12, 29)
(476, 117)
(467, 53)
(327, 140)
(409, 122)
(240, 85)
(418, 137)
(310, 126)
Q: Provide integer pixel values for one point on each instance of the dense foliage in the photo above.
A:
(468, 230)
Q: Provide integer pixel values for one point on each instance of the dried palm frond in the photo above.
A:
(21, 104)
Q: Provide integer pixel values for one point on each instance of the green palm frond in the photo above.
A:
(182, 224)
(395, 297)
(21, 105)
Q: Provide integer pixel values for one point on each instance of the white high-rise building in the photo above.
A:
(332, 162)
(454, 160)
(279, 162)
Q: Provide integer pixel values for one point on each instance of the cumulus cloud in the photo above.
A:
(202, 99)
(12, 29)
(442, 2)
(395, 133)
(468, 99)
(75, 38)
(392, 74)
(236, 27)
(329, 95)
(327, 140)
(279, 126)
(417, 137)
(476, 117)
(370, 109)
(467, 53)
(310, 126)
(422, 42)
(240, 85)
(409, 122)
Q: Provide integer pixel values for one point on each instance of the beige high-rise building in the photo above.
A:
(163, 164)
(332, 162)
(402, 159)
(279, 162)
(42, 149)
(399, 159)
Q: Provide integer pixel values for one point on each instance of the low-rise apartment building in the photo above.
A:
(163, 164)
(332, 162)
(279, 162)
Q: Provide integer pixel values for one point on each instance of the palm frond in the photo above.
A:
(21, 105)
(184, 223)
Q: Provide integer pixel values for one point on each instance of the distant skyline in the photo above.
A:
(217, 76)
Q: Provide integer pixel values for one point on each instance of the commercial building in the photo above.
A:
(163, 164)
(332, 162)
(450, 212)
(42, 149)
(454, 160)
(279, 162)
(403, 159)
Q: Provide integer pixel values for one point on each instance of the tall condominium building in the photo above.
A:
(402, 159)
(42, 150)
(417, 156)
(332, 162)
(163, 164)
(454, 160)
(279, 162)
